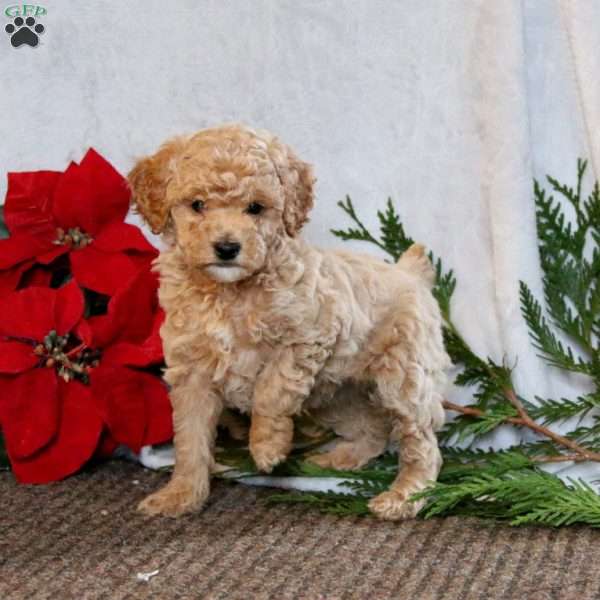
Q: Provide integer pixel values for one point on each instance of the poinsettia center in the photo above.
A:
(71, 359)
(74, 237)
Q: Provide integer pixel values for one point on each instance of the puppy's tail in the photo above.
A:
(415, 261)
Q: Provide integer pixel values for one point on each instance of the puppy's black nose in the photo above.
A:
(227, 250)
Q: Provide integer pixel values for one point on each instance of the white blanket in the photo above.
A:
(449, 107)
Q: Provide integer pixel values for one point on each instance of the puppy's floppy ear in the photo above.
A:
(148, 182)
(298, 180)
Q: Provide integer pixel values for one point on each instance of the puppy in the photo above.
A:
(258, 320)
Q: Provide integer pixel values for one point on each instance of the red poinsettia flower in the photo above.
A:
(135, 404)
(66, 382)
(79, 215)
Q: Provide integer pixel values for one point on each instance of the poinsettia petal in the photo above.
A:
(100, 271)
(10, 278)
(84, 332)
(91, 195)
(142, 261)
(30, 411)
(120, 394)
(125, 353)
(69, 307)
(149, 352)
(35, 276)
(16, 357)
(69, 195)
(21, 247)
(28, 313)
(118, 237)
(28, 204)
(74, 443)
(111, 190)
(18, 256)
(47, 257)
(33, 312)
(159, 427)
(121, 323)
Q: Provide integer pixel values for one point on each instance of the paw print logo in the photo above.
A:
(24, 32)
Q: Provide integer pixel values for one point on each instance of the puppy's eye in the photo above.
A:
(197, 205)
(255, 208)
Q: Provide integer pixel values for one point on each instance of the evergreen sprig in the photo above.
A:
(393, 238)
(522, 496)
(505, 485)
(570, 261)
(549, 411)
(545, 340)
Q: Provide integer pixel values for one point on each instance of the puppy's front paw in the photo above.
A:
(174, 500)
(394, 506)
(270, 441)
(267, 455)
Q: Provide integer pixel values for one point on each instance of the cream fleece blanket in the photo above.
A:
(449, 107)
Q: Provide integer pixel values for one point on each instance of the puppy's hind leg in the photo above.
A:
(417, 412)
(363, 427)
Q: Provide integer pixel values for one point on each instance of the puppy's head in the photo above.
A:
(226, 194)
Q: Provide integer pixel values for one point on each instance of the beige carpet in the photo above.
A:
(82, 539)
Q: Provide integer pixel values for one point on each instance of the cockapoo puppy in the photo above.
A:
(258, 320)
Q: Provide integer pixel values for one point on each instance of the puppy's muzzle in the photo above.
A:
(227, 250)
